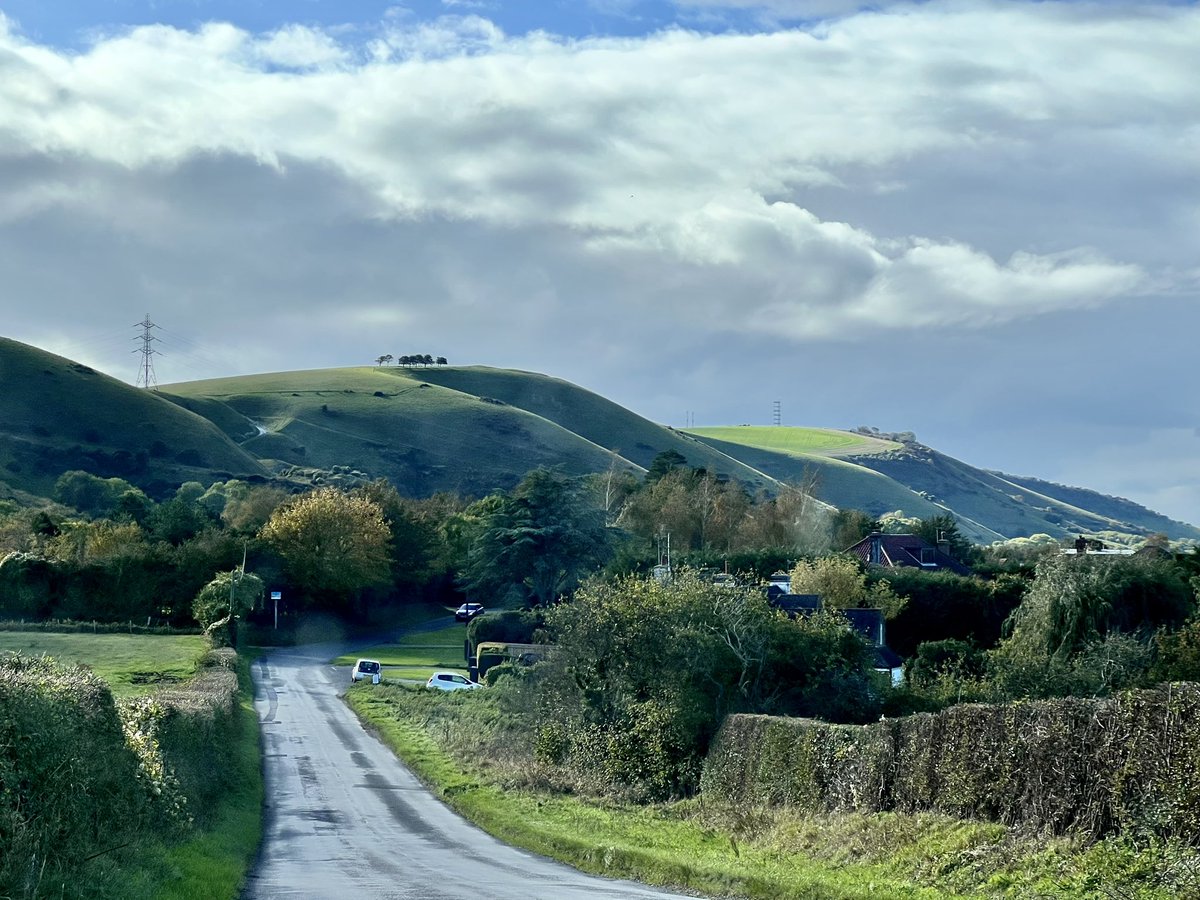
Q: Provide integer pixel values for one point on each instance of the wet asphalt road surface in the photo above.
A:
(345, 819)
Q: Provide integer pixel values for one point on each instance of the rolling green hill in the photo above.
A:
(881, 476)
(474, 430)
(471, 430)
(57, 415)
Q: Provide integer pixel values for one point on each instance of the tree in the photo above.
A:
(664, 462)
(178, 520)
(332, 544)
(644, 672)
(537, 543)
(441, 361)
(90, 494)
(416, 540)
(247, 509)
(849, 526)
(842, 584)
(943, 529)
(212, 604)
(1074, 627)
(383, 360)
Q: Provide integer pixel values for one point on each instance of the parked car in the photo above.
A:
(468, 611)
(451, 681)
(367, 670)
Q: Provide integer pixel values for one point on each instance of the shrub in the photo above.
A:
(81, 775)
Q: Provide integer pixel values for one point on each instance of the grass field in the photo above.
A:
(796, 441)
(417, 655)
(131, 664)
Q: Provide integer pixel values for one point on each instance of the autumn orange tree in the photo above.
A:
(332, 544)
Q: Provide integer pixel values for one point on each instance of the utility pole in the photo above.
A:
(146, 377)
(777, 413)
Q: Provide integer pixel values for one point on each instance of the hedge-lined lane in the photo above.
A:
(345, 818)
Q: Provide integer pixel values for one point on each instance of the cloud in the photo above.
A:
(699, 148)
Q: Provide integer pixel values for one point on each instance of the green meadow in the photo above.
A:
(131, 664)
(797, 441)
(416, 655)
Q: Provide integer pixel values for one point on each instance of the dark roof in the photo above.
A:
(795, 603)
(894, 550)
(887, 658)
(867, 623)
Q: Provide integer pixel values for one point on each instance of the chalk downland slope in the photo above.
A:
(472, 430)
(57, 415)
(850, 470)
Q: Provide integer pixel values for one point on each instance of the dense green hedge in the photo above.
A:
(181, 735)
(69, 787)
(82, 775)
(1125, 764)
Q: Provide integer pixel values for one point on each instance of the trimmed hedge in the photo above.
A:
(180, 735)
(68, 785)
(81, 775)
(1124, 764)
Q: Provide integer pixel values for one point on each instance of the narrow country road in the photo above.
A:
(344, 818)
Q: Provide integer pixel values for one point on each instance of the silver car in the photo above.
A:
(451, 681)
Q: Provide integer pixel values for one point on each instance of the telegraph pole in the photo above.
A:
(146, 377)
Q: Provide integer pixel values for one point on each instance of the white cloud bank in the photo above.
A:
(697, 150)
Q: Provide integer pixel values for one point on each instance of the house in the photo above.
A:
(869, 624)
(905, 550)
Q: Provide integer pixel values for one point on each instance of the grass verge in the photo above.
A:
(762, 853)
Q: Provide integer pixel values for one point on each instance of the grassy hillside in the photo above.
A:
(388, 422)
(57, 415)
(842, 483)
(879, 476)
(471, 430)
(475, 430)
(1115, 508)
(1012, 508)
(592, 417)
(797, 441)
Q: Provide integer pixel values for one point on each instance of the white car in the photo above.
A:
(367, 670)
(451, 681)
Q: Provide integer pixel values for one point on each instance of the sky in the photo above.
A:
(978, 220)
